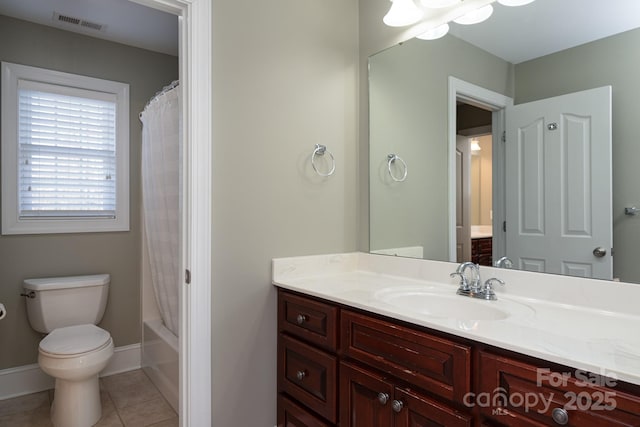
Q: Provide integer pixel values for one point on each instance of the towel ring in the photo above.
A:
(391, 159)
(319, 151)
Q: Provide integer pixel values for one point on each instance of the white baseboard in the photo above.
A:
(30, 378)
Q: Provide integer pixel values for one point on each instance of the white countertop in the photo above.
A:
(585, 324)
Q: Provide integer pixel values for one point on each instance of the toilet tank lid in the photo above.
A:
(49, 283)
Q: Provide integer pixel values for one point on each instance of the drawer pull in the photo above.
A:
(301, 319)
(383, 398)
(397, 405)
(560, 416)
(300, 375)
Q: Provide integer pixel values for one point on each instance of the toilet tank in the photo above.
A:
(56, 302)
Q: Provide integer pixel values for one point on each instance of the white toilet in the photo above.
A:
(75, 349)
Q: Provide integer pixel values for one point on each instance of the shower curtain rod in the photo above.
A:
(164, 90)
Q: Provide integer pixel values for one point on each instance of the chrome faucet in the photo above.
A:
(503, 262)
(475, 289)
(466, 287)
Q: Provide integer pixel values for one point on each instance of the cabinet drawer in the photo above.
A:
(308, 375)
(310, 320)
(527, 395)
(292, 415)
(428, 362)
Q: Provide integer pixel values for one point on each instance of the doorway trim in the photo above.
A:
(497, 104)
(195, 51)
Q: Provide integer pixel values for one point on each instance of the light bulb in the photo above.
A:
(434, 33)
(435, 4)
(475, 16)
(475, 145)
(515, 2)
(402, 13)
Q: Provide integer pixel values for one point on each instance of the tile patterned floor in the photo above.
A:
(128, 400)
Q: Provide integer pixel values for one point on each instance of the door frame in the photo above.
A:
(497, 103)
(195, 52)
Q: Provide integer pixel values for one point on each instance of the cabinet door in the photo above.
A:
(420, 411)
(365, 398)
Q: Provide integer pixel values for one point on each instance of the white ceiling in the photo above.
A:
(515, 34)
(124, 21)
(518, 34)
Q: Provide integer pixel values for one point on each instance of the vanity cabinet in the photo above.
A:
(528, 395)
(338, 366)
(307, 364)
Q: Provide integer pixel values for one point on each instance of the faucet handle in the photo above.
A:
(489, 293)
(464, 285)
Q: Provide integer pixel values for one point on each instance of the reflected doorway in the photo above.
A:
(474, 184)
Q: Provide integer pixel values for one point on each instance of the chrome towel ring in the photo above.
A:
(320, 150)
(392, 158)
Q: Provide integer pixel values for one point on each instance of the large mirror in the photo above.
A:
(430, 101)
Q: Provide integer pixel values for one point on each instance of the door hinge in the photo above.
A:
(504, 136)
(187, 276)
(504, 226)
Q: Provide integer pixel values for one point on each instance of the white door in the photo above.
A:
(558, 184)
(463, 199)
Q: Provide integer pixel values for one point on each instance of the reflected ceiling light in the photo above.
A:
(475, 16)
(475, 146)
(402, 13)
(515, 2)
(434, 33)
(436, 4)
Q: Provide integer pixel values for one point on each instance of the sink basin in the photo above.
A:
(437, 304)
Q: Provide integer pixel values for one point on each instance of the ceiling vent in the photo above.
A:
(67, 20)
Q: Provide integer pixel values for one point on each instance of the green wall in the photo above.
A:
(117, 253)
(408, 113)
(612, 61)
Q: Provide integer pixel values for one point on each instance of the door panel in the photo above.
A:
(359, 398)
(558, 184)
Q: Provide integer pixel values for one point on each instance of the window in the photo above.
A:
(65, 152)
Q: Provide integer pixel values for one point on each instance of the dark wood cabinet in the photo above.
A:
(371, 400)
(292, 415)
(481, 251)
(338, 366)
(431, 363)
(528, 395)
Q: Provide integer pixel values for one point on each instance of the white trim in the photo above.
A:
(29, 379)
(125, 358)
(195, 299)
(479, 96)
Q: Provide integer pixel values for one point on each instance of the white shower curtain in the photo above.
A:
(161, 198)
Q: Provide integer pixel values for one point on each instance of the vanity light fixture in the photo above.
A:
(475, 146)
(475, 16)
(402, 13)
(515, 2)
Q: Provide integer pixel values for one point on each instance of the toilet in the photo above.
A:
(75, 349)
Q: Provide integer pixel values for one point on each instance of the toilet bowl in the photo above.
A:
(75, 349)
(74, 355)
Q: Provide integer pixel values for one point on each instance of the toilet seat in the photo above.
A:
(74, 340)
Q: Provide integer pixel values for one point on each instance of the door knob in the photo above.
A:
(599, 252)
(383, 398)
(397, 405)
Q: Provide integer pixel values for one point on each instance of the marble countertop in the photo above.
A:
(585, 324)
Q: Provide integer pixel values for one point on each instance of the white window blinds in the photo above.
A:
(66, 152)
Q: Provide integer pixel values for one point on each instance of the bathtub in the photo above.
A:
(160, 359)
